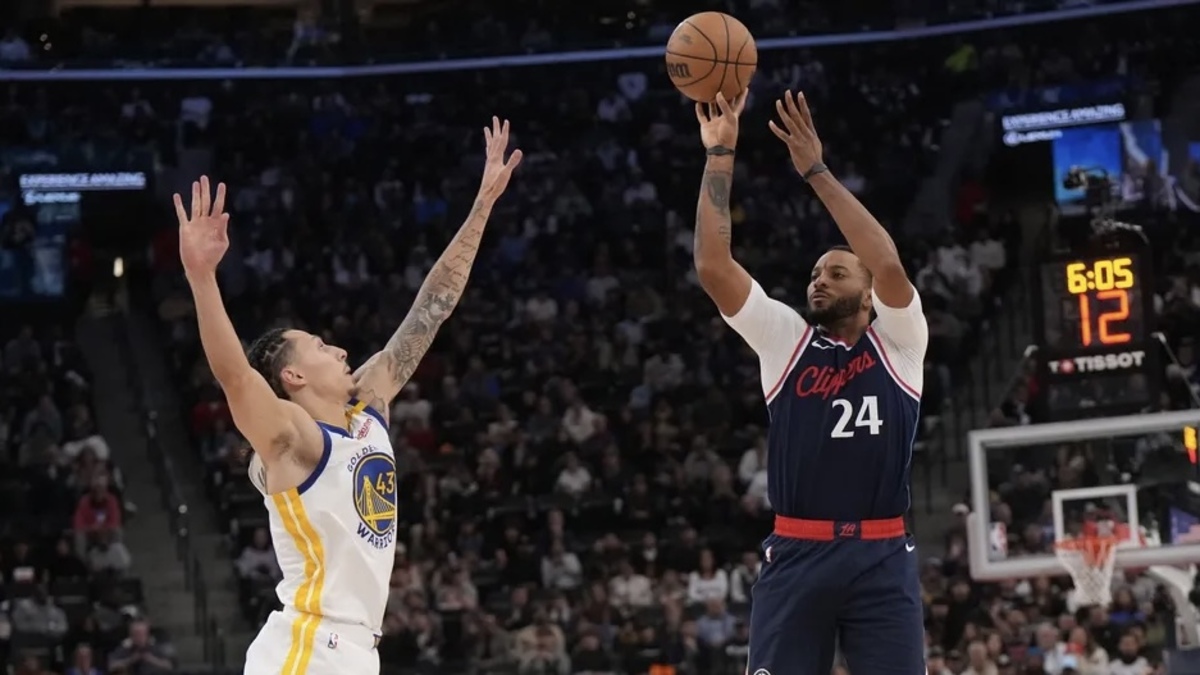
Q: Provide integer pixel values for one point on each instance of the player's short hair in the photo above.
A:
(847, 249)
(268, 355)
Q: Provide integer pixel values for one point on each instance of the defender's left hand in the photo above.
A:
(497, 170)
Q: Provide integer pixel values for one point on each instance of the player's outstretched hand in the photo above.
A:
(497, 170)
(798, 132)
(719, 121)
(204, 230)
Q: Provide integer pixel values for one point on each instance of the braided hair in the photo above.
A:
(268, 355)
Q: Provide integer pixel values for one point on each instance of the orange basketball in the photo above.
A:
(711, 52)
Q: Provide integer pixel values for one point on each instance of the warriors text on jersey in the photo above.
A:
(843, 417)
(335, 534)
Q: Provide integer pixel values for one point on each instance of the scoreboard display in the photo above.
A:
(1093, 326)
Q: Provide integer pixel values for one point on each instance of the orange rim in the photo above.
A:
(1095, 550)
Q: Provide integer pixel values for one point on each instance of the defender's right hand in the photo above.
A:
(203, 233)
(719, 121)
(496, 169)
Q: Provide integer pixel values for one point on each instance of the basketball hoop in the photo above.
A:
(1091, 560)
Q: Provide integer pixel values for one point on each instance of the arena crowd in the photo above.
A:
(582, 452)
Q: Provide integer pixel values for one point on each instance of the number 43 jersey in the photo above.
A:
(335, 535)
(843, 417)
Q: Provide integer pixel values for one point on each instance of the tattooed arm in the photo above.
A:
(383, 375)
(722, 277)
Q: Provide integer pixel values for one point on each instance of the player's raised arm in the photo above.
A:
(722, 277)
(870, 242)
(382, 376)
(770, 327)
(272, 425)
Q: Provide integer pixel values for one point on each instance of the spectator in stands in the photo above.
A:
(410, 405)
(22, 350)
(1129, 660)
(574, 480)
(1091, 657)
(45, 415)
(85, 437)
(37, 615)
(658, 364)
(629, 591)
(83, 662)
(454, 591)
(545, 658)
(97, 510)
(935, 662)
(590, 657)
(107, 557)
(716, 626)
(743, 576)
(31, 665)
(63, 563)
(561, 568)
(257, 564)
(979, 663)
(141, 654)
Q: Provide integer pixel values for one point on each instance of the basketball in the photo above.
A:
(711, 52)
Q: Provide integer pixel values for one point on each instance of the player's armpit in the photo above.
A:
(772, 329)
(272, 425)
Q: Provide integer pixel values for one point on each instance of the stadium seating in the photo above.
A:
(535, 409)
(64, 583)
(572, 392)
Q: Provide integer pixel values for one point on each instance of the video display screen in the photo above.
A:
(1152, 163)
(35, 225)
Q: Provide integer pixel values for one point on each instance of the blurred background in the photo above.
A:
(582, 450)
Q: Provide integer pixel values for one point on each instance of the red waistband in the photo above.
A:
(829, 530)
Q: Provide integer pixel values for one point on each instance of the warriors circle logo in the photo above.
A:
(375, 499)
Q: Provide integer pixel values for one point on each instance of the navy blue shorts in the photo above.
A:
(863, 596)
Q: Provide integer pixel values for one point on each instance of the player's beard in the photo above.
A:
(835, 310)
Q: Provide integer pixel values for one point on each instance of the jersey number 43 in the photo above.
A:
(867, 417)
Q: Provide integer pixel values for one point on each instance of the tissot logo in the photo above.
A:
(1097, 364)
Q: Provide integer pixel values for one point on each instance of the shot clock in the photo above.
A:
(1093, 325)
(1105, 289)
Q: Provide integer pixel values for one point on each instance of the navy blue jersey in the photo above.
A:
(843, 417)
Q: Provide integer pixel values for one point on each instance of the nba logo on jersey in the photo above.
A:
(333, 640)
(375, 496)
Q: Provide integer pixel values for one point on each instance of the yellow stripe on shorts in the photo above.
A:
(308, 596)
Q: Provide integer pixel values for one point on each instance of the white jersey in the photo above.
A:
(335, 534)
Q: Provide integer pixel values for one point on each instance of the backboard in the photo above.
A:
(1169, 560)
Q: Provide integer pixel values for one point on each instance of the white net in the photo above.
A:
(1091, 561)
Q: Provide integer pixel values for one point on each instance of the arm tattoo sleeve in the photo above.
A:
(717, 187)
(436, 299)
(714, 230)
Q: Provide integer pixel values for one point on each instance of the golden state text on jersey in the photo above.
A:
(335, 534)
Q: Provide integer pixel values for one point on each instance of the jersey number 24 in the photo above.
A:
(867, 417)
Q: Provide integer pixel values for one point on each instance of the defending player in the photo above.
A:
(843, 393)
(323, 459)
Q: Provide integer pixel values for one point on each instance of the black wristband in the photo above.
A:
(814, 170)
(718, 151)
